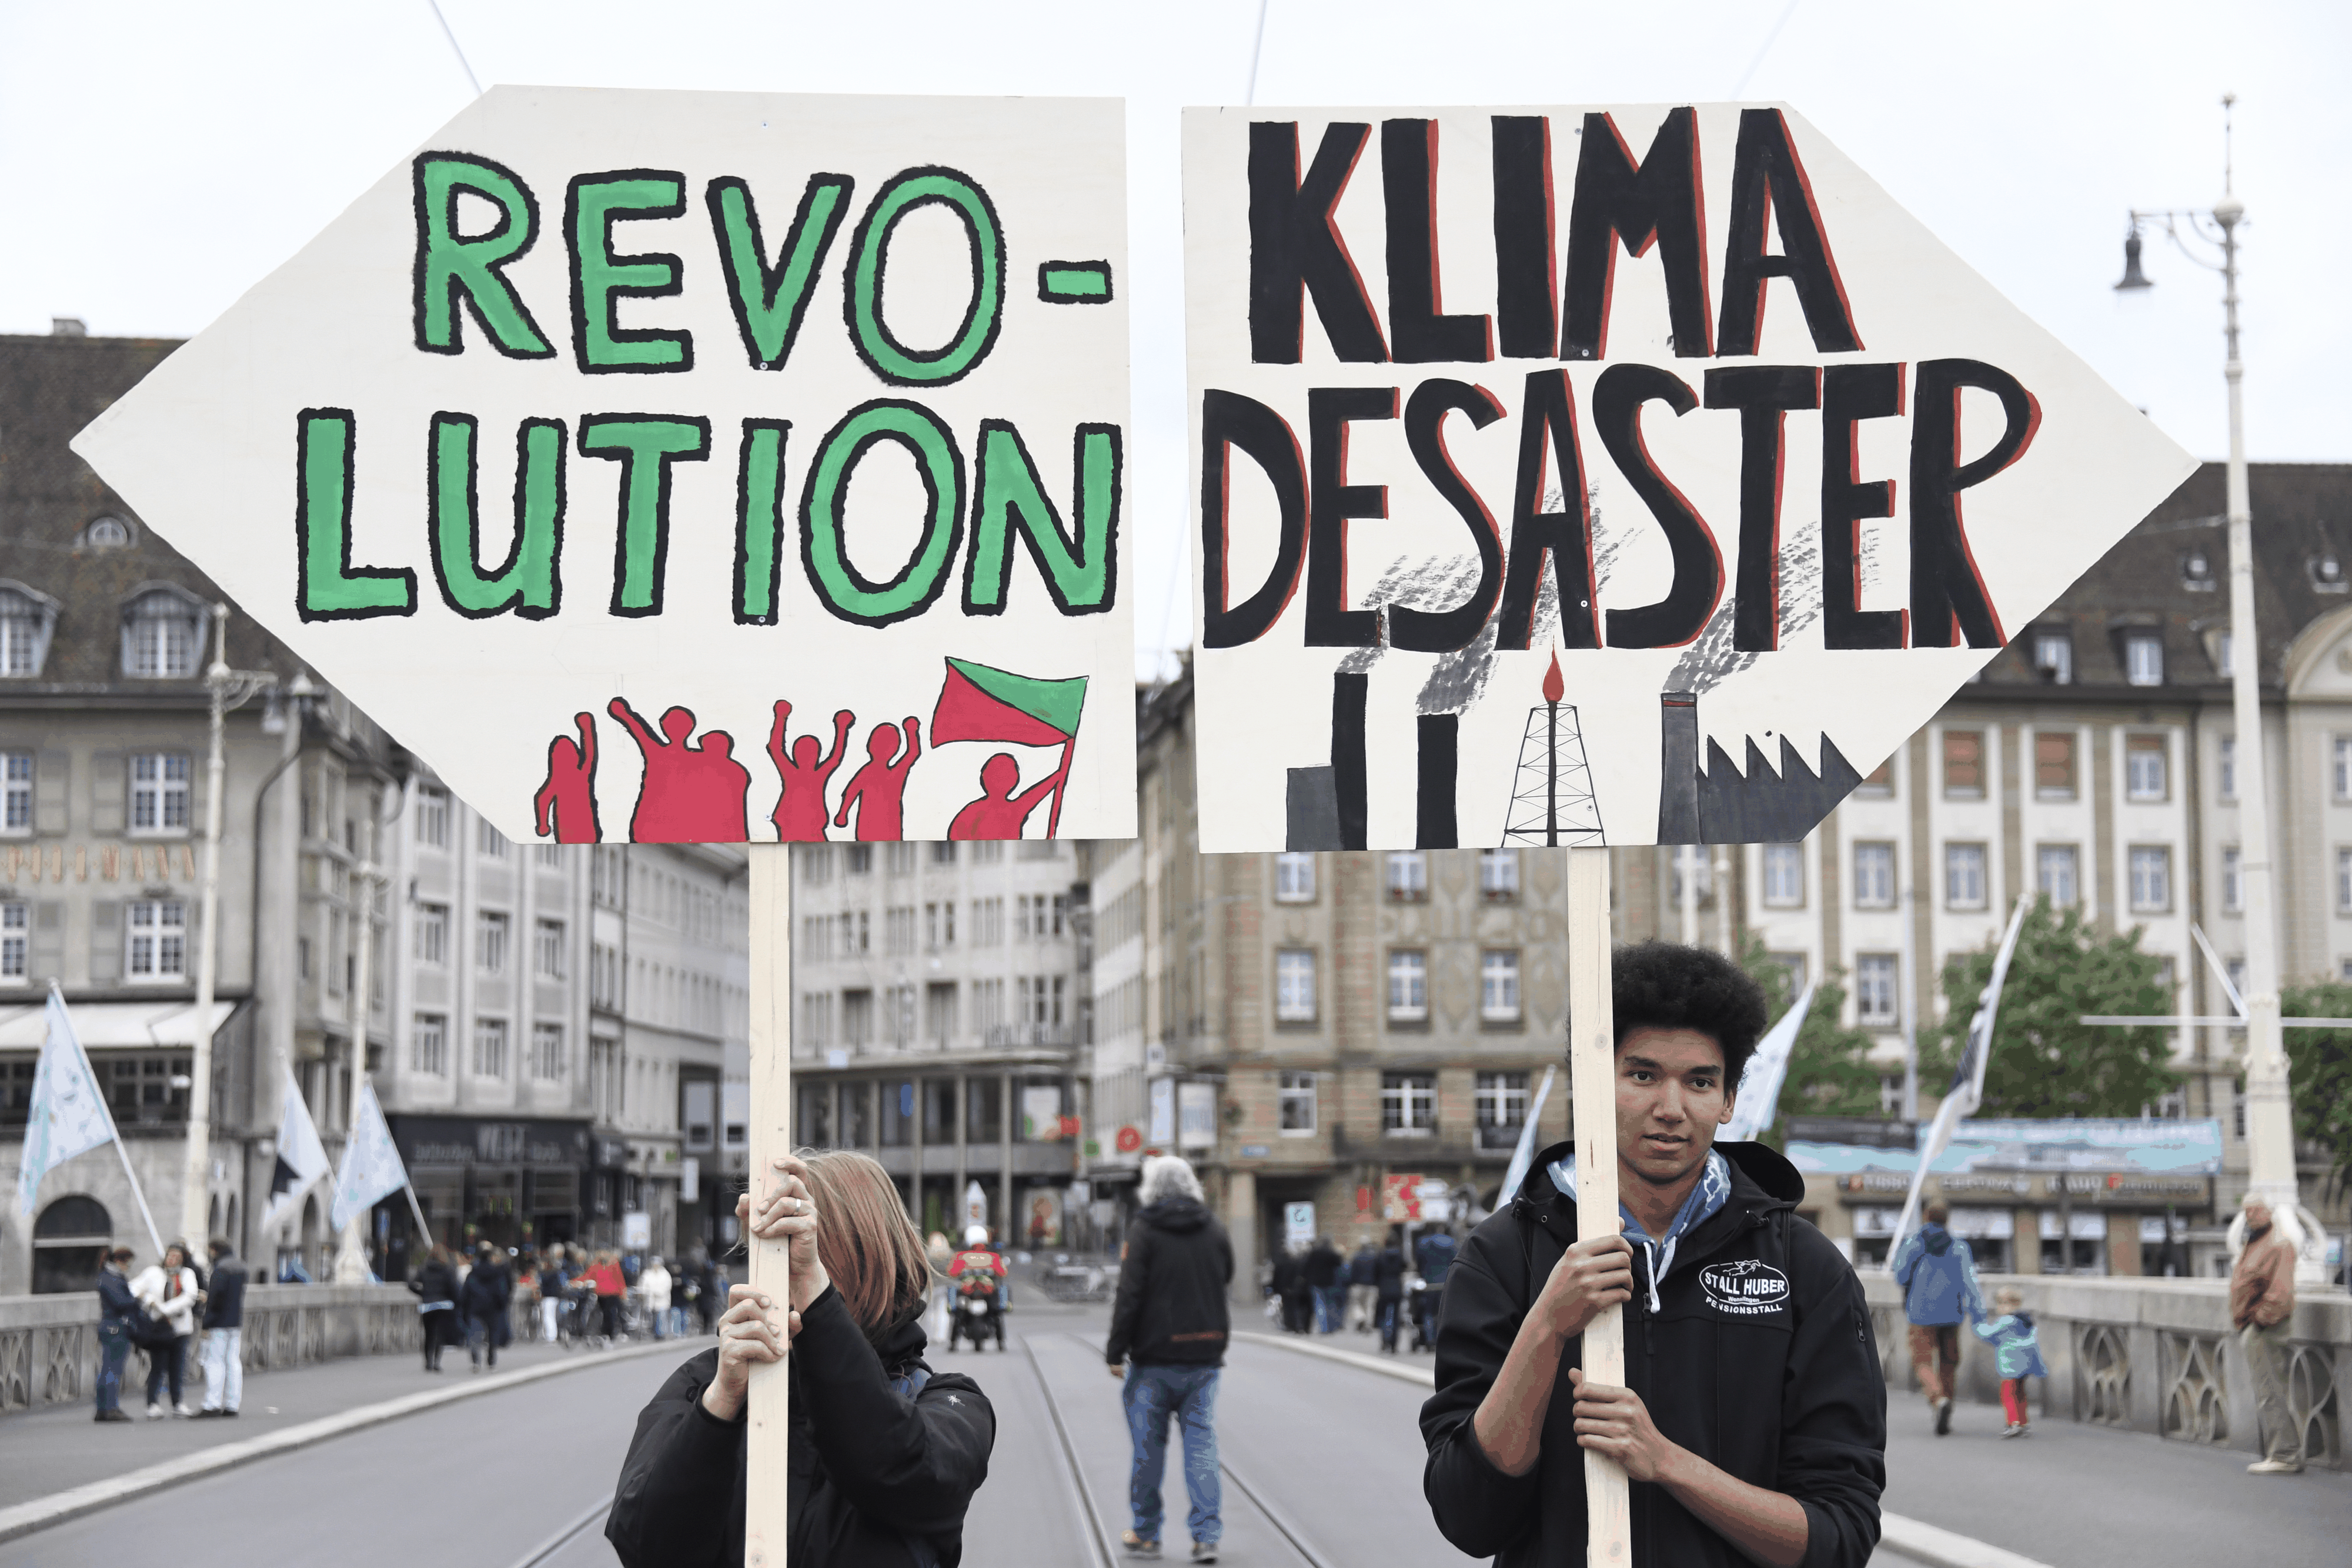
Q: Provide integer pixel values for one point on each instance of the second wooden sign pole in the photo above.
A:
(1592, 1094)
(766, 1461)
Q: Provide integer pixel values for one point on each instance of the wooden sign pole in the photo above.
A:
(1591, 1081)
(770, 1134)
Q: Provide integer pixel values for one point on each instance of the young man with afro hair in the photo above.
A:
(1753, 1424)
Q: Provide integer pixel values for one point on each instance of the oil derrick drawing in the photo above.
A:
(1724, 805)
(1552, 795)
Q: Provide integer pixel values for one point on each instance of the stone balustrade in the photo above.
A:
(48, 1344)
(2145, 1356)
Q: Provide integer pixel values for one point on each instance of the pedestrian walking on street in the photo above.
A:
(436, 1288)
(1388, 1288)
(604, 1273)
(550, 1283)
(884, 1455)
(2262, 1305)
(169, 1294)
(655, 1284)
(483, 1301)
(1364, 1299)
(1938, 1278)
(2016, 1353)
(1432, 1256)
(1753, 1426)
(119, 1311)
(1169, 1325)
(224, 1351)
(710, 1299)
(1326, 1281)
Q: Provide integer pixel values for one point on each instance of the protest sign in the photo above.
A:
(694, 466)
(1624, 475)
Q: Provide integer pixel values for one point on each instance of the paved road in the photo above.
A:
(1323, 1469)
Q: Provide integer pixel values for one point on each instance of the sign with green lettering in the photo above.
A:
(615, 437)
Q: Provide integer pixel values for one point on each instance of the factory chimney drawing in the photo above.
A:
(1720, 805)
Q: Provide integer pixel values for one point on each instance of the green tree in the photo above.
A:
(2045, 1060)
(1830, 1071)
(2320, 1063)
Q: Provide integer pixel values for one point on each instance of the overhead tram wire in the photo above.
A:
(564, 1537)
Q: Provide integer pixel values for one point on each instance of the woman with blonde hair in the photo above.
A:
(884, 1455)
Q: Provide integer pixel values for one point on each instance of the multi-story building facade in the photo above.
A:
(105, 633)
(942, 995)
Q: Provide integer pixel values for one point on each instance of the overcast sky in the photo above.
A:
(162, 158)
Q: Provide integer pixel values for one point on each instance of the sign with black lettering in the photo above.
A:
(1596, 477)
(615, 439)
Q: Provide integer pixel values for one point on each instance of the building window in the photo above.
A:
(1408, 986)
(1408, 877)
(898, 929)
(490, 943)
(2053, 657)
(432, 932)
(2229, 758)
(2233, 882)
(433, 816)
(2340, 772)
(1964, 876)
(939, 925)
(1498, 875)
(2055, 867)
(859, 858)
(2146, 768)
(488, 841)
(1880, 785)
(1498, 987)
(159, 792)
(1964, 764)
(158, 939)
(1500, 1103)
(944, 852)
(1784, 876)
(162, 633)
(1294, 985)
(15, 930)
(550, 957)
(1294, 1099)
(1294, 878)
(2224, 655)
(2143, 659)
(2053, 765)
(16, 792)
(490, 1048)
(547, 1052)
(2342, 887)
(1874, 876)
(26, 620)
(1873, 989)
(2151, 879)
(141, 1088)
(429, 1044)
(1408, 1105)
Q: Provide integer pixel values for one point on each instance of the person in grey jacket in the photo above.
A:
(118, 1309)
(224, 1351)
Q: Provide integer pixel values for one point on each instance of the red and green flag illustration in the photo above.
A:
(980, 703)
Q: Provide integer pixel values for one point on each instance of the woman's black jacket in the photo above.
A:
(868, 1467)
(1759, 1360)
(436, 1283)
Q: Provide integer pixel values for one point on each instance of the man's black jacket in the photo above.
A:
(225, 1302)
(1759, 1360)
(1171, 1307)
(868, 1467)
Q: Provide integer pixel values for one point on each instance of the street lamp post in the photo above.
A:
(226, 690)
(2270, 1123)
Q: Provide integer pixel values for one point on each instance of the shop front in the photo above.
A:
(514, 1184)
(2058, 1196)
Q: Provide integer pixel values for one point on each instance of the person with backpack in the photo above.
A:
(2016, 1353)
(1752, 1425)
(1938, 1277)
(883, 1455)
(435, 1290)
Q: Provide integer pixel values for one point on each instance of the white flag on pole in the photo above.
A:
(1524, 1155)
(301, 1158)
(1753, 1108)
(372, 1169)
(69, 1113)
(1967, 1092)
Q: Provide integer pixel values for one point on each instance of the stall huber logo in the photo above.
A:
(1747, 1287)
